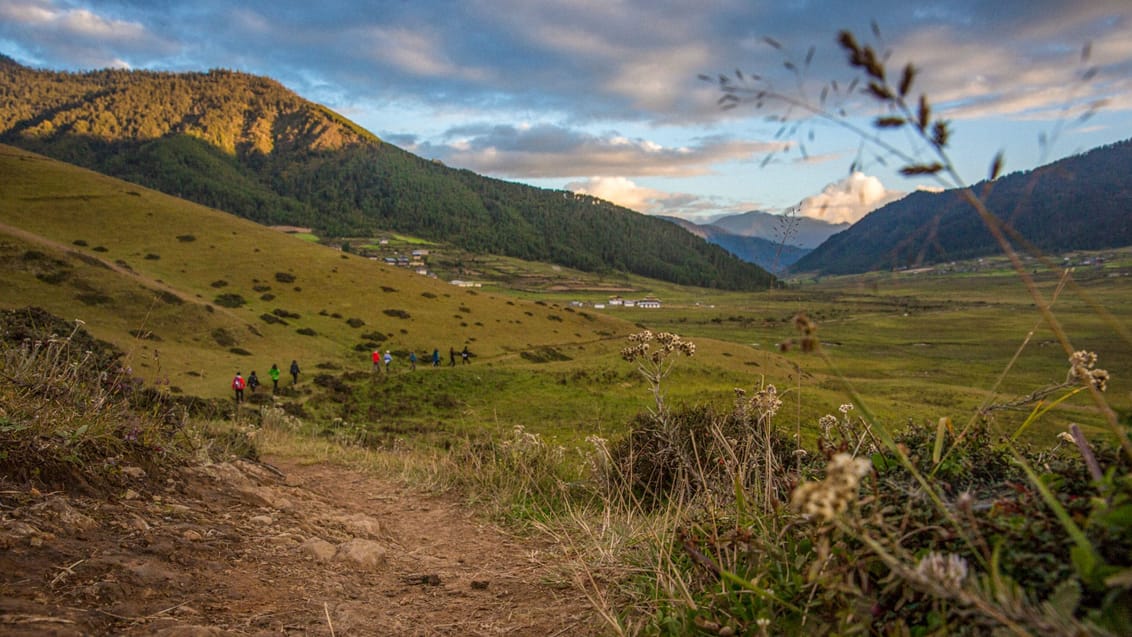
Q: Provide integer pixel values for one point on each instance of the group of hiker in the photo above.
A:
(386, 359)
(239, 383)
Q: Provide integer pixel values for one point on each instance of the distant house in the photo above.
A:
(465, 284)
(616, 300)
(599, 306)
(650, 302)
(629, 303)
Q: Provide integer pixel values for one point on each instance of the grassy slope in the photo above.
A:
(58, 204)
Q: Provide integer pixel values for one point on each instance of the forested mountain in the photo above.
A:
(247, 145)
(1082, 202)
(773, 256)
(796, 230)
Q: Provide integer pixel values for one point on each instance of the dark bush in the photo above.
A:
(219, 284)
(355, 322)
(94, 298)
(306, 331)
(272, 319)
(186, 238)
(223, 337)
(229, 300)
(284, 277)
(401, 314)
(281, 313)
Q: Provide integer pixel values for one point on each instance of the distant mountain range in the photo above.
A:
(773, 242)
(1082, 202)
(249, 146)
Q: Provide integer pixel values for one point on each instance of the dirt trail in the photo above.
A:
(237, 549)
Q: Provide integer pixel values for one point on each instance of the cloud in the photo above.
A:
(848, 200)
(53, 33)
(548, 150)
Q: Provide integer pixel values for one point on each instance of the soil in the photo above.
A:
(272, 548)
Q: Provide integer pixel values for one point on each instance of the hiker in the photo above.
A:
(253, 381)
(465, 354)
(273, 374)
(451, 357)
(388, 360)
(377, 360)
(238, 385)
(412, 361)
(435, 357)
(294, 372)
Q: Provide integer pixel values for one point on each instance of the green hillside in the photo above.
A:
(247, 145)
(1079, 203)
(193, 294)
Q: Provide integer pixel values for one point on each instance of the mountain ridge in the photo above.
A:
(247, 145)
(1080, 202)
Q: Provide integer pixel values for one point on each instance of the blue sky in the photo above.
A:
(603, 96)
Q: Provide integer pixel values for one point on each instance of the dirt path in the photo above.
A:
(236, 549)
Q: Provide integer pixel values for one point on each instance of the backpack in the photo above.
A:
(237, 383)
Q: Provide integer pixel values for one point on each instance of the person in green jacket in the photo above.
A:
(274, 374)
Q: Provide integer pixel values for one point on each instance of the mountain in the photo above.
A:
(1081, 202)
(770, 255)
(249, 146)
(805, 232)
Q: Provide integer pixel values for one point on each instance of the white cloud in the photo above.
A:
(849, 199)
(620, 191)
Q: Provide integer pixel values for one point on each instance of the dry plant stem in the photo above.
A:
(994, 226)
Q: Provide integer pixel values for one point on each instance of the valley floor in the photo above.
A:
(280, 548)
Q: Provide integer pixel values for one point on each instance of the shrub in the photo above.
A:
(223, 337)
(272, 319)
(401, 314)
(186, 238)
(284, 277)
(230, 300)
(306, 331)
(355, 322)
(219, 284)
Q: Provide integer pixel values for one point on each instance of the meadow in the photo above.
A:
(677, 475)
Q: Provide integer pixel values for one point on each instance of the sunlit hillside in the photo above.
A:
(194, 294)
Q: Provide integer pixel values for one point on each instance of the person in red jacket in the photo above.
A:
(238, 385)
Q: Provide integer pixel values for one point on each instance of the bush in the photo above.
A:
(230, 300)
(284, 277)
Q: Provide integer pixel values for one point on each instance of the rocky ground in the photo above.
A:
(273, 548)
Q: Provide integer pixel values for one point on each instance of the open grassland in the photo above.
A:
(192, 295)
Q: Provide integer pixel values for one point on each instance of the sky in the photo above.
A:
(607, 97)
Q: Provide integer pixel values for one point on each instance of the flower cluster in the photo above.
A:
(944, 572)
(825, 500)
(666, 343)
(1082, 368)
(766, 402)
